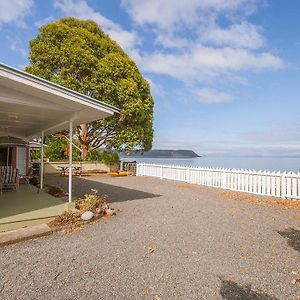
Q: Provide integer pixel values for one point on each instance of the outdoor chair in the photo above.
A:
(26, 178)
(9, 178)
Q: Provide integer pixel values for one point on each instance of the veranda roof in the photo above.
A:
(30, 105)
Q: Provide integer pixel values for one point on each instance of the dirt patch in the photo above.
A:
(260, 200)
(186, 186)
(245, 197)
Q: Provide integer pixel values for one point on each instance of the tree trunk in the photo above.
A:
(84, 143)
(84, 152)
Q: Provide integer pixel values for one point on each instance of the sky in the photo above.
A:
(225, 75)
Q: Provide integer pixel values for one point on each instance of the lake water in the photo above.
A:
(253, 163)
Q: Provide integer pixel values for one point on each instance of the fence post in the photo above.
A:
(137, 169)
(283, 185)
(188, 175)
(161, 172)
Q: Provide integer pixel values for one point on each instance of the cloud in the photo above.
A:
(17, 46)
(196, 47)
(170, 40)
(242, 35)
(44, 21)
(195, 44)
(202, 63)
(80, 9)
(212, 96)
(14, 11)
(156, 89)
(167, 14)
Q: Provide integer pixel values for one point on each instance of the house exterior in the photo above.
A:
(32, 107)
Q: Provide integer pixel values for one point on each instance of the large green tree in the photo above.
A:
(77, 54)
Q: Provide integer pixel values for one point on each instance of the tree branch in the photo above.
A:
(78, 148)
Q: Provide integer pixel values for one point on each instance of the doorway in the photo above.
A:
(6, 156)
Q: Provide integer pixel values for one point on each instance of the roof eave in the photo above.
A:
(69, 92)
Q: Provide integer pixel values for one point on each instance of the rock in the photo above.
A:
(99, 210)
(105, 206)
(110, 212)
(86, 216)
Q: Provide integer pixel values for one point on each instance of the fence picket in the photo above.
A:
(285, 185)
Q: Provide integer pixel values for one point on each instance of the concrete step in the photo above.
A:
(22, 234)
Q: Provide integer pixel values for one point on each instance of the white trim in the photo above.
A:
(70, 159)
(42, 162)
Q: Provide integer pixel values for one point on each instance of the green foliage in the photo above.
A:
(34, 180)
(110, 157)
(56, 149)
(104, 156)
(93, 203)
(79, 55)
(35, 155)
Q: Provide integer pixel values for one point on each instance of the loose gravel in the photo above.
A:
(167, 241)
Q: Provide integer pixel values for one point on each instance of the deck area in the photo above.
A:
(27, 207)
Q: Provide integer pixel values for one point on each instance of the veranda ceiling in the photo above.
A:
(30, 105)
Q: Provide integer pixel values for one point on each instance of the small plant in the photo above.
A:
(34, 180)
(66, 218)
(56, 191)
(92, 202)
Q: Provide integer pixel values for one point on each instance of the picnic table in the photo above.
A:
(64, 170)
(78, 170)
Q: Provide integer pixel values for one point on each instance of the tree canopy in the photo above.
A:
(77, 54)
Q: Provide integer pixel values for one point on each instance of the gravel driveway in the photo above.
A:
(168, 241)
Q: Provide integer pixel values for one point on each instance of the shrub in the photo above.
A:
(90, 202)
(104, 156)
(110, 157)
(66, 218)
(34, 181)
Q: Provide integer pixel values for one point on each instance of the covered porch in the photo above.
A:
(28, 207)
(32, 108)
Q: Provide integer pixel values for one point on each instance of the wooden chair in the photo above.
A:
(9, 177)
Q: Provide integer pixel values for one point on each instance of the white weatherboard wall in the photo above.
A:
(276, 184)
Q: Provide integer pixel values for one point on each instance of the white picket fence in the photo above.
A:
(277, 184)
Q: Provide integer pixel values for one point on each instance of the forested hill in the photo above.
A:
(164, 154)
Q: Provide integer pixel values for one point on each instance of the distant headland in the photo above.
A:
(163, 154)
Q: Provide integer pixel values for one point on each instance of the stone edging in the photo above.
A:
(36, 231)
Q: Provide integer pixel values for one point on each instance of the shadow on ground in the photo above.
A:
(115, 193)
(230, 290)
(293, 237)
